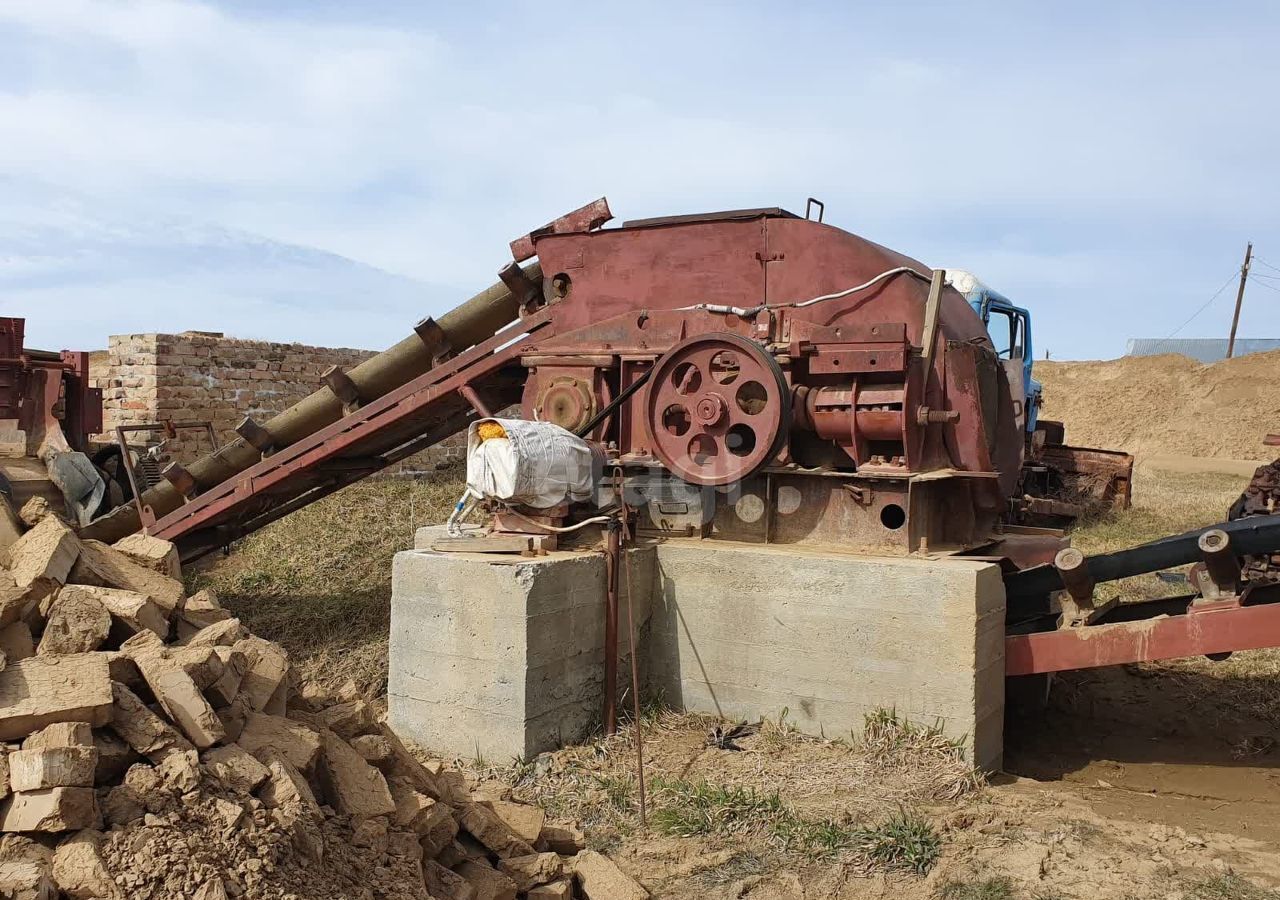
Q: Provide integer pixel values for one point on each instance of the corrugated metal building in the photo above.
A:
(1206, 350)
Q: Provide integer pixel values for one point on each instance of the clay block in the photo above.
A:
(406, 765)
(200, 611)
(26, 879)
(202, 664)
(219, 634)
(45, 554)
(35, 770)
(488, 882)
(351, 785)
(61, 734)
(556, 890)
(142, 729)
(56, 809)
(130, 611)
(188, 708)
(79, 871)
(348, 720)
(294, 741)
(445, 884)
(225, 688)
(153, 552)
(41, 690)
(174, 688)
(375, 749)
(601, 879)
(524, 820)
(75, 623)
(266, 672)
(414, 811)
(235, 767)
(485, 826)
(101, 564)
(285, 786)
(34, 510)
(530, 871)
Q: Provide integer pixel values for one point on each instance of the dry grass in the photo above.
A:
(782, 795)
(319, 581)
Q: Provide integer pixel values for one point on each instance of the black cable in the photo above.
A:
(614, 404)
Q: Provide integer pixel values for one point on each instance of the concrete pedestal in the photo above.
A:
(501, 656)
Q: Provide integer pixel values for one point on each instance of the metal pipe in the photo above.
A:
(1248, 536)
(612, 554)
(1220, 562)
(471, 323)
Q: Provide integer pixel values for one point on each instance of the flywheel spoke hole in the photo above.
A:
(703, 450)
(725, 367)
(675, 419)
(741, 440)
(752, 398)
(687, 378)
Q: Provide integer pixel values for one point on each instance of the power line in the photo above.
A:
(1270, 287)
(1216, 294)
(1267, 264)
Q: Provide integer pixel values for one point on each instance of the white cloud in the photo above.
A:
(423, 146)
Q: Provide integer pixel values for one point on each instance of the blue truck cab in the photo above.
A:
(1010, 329)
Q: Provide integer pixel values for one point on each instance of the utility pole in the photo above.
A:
(1235, 319)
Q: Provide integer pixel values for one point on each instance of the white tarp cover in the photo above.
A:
(537, 464)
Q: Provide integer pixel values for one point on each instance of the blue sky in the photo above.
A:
(330, 172)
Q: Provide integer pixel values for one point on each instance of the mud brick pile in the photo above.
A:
(150, 747)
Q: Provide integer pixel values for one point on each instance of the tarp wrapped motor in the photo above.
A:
(535, 464)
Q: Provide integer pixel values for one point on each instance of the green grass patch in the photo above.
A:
(903, 842)
(1227, 887)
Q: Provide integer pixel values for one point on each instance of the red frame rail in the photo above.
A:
(422, 412)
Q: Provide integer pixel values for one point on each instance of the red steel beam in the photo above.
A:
(343, 437)
(1167, 637)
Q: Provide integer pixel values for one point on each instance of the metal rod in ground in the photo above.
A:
(612, 545)
(635, 686)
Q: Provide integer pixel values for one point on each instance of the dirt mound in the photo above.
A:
(1167, 405)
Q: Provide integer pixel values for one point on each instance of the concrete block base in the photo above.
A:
(498, 656)
(501, 656)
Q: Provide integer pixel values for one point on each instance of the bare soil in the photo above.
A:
(1167, 405)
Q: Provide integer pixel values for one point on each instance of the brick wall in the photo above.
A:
(197, 376)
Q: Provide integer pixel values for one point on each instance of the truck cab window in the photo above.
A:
(1005, 327)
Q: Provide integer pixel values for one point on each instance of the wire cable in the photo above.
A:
(1232, 277)
(749, 311)
(1270, 287)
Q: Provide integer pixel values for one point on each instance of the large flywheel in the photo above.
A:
(717, 408)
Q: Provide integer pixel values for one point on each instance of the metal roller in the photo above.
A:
(471, 323)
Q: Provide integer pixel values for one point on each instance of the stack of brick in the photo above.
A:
(204, 377)
(196, 376)
(150, 747)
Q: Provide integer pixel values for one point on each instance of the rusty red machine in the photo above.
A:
(748, 376)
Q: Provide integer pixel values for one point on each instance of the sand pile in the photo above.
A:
(1167, 405)
(152, 749)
